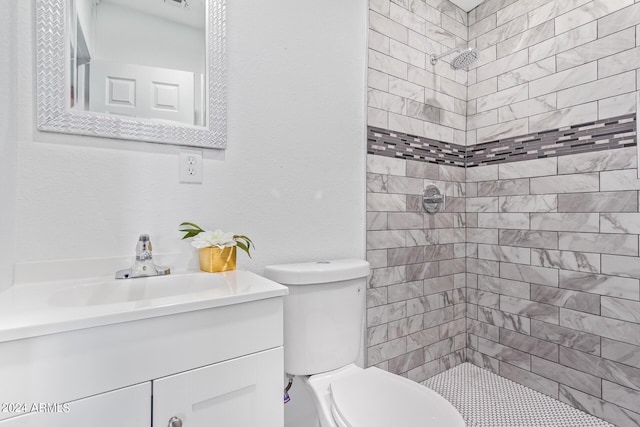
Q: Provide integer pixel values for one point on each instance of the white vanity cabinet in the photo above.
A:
(212, 358)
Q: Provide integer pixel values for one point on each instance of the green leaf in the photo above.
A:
(244, 243)
(190, 232)
(197, 227)
(244, 247)
(248, 240)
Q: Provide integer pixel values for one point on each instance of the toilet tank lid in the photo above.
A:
(308, 273)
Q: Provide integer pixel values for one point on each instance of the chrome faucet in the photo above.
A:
(143, 265)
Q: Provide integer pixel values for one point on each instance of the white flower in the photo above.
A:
(208, 239)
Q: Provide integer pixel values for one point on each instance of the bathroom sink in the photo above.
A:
(52, 307)
(148, 290)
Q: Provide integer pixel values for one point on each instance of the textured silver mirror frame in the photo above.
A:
(54, 116)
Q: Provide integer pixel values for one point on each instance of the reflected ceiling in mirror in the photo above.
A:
(133, 70)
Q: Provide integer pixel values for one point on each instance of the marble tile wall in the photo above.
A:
(405, 92)
(552, 278)
(547, 64)
(416, 319)
(534, 270)
(552, 268)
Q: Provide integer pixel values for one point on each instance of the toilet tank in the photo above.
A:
(323, 313)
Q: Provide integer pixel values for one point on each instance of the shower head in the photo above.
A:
(464, 59)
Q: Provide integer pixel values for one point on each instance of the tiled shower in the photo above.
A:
(531, 270)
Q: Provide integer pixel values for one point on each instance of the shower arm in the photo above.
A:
(434, 58)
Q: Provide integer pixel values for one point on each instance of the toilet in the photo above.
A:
(323, 320)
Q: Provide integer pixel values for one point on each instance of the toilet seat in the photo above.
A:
(376, 398)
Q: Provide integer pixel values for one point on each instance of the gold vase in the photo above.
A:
(215, 260)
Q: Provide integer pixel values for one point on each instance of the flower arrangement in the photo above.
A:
(217, 238)
(217, 248)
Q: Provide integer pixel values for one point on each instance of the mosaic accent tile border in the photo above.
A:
(606, 134)
(616, 132)
(389, 143)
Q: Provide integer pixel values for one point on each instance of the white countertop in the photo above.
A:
(30, 310)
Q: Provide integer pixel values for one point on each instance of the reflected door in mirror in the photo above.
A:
(143, 59)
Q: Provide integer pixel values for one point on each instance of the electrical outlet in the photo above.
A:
(191, 167)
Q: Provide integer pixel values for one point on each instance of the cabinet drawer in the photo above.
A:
(242, 392)
(127, 407)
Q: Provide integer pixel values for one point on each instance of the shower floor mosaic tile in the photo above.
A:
(487, 400)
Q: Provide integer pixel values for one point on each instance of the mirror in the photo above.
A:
(149, 70)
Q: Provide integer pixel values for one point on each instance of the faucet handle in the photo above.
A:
(143, 266)
(144, 250)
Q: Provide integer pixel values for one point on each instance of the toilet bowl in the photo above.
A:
(323, 315)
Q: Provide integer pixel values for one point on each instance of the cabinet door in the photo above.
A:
(242, 392)
(127, 407)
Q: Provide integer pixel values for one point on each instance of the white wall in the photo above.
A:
(7, 139)
(293, 177)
